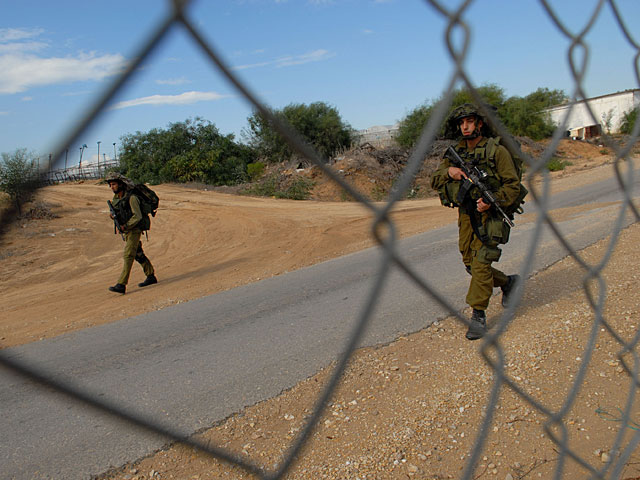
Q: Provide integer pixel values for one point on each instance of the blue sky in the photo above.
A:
(374, 60)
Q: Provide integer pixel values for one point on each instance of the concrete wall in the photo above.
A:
(379, 136)
(613, 105)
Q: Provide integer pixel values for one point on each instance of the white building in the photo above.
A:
(380, 135)
(608, 111)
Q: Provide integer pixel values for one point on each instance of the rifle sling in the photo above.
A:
(470, 208)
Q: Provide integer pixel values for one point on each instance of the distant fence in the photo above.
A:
(391, 260)
(91, 171)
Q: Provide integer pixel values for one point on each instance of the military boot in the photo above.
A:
(150, 280)
(509, 288)
(118, 288)
(478, 326)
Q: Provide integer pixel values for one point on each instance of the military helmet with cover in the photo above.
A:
(118, 177)
(452, 129)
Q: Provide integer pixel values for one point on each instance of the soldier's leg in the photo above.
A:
(481, 285)
(130, 248)
(499, 278)
(465, 236)
(143, 260)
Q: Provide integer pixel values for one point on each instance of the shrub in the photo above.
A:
(255, 171)
(18, 176)
(273, 185)
(557, 164)
(298, 189)
(628, 122)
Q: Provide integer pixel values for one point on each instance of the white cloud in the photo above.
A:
(23, 67)
(21, 47)
(21, 72)
(186, 98)
(4, 113)
(77, 93)
(13, 34)
(27, 99)
(290, 60)
(315, 56)
(173, 81)
(252, 65)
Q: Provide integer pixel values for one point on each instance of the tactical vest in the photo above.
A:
(450, 195)
(493, 231)
(484, 157)
(124, 213)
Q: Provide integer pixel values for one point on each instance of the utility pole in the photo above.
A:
(84, 145)
(99, 142)
(115, 156)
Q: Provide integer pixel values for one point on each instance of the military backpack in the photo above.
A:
(491, 148)
(149, 200)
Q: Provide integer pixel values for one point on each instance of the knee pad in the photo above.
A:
(140, 257)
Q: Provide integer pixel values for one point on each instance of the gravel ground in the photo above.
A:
(413, 408)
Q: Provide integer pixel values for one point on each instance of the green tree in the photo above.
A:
(187, 151)
(412, 125)
(525, 116)
(489, 93)
(318, 124)
(18, 176)
(521, 116)
(628, 121)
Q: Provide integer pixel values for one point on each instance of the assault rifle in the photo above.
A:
(474, 178)
(116, 224)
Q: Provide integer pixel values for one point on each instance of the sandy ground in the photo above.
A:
(410, 409)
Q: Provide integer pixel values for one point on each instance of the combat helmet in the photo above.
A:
(118, 177)
(451, 129)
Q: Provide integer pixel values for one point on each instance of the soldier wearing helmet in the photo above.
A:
(129, 216)
(480, 231)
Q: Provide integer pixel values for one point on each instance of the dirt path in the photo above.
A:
(57, 270)
(410, 409)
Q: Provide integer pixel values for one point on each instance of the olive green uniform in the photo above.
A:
(132, 232)
(476, 255)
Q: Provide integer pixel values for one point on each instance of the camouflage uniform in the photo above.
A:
(133, 222)
(130, 204)
(479, 233)
(476, 255)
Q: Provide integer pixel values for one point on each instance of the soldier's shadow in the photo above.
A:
(544, 288)
(203, 271)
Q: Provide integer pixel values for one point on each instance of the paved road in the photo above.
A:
(193, 364)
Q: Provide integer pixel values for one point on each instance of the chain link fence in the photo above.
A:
(383, 230)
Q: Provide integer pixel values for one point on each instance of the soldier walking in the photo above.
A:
(132, 222)
(480, 229)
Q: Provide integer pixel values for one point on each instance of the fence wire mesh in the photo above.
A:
(384, 231)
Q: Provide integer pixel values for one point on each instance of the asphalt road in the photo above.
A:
(190, 365)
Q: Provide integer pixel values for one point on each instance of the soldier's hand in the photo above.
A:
(456, 173)
(482, 206)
